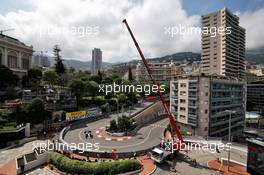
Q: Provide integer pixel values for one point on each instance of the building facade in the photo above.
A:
(223, 53)
(255, 96)
(163, 73)
(96, 61)
(15, 55)
(200, 105)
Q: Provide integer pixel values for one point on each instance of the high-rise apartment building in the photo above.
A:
(96, 61)
(202, 105)
(41, 60)
(223, 53)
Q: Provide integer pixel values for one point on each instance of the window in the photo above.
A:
(12, 61)
(206, 94)
(182, 93)
(206, 111)
(25, 64)
(182, 109)
(182, 101)
(182, 117)
(183, 85)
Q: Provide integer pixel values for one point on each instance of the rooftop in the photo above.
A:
(12, 40)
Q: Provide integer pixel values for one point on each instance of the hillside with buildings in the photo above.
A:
(77, 64)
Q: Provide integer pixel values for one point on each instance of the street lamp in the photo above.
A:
(229, 134)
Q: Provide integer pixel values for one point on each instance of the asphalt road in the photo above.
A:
(147, 137)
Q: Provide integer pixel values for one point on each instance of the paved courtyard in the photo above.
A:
(185, 165)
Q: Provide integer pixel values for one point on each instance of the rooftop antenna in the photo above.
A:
(2, 31)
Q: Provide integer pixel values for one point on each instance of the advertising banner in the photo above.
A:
(78, 115)
(70, 116)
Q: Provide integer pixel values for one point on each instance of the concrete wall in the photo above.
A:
(149, 115)
(41, 159)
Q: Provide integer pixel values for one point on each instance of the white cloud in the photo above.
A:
(147, 19)
(253, 22)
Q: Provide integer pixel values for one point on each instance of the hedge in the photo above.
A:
(68, 165)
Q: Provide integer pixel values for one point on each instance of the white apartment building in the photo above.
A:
(163, 73)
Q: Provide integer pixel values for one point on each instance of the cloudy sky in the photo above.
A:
(80, 25)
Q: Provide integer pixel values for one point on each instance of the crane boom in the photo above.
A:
(172, 121)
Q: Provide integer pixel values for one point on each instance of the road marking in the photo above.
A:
(132, 144)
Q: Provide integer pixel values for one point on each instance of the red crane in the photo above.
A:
(164, 103)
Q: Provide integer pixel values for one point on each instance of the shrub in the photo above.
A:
(68, 165)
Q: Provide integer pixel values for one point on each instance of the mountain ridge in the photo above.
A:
(252, 56)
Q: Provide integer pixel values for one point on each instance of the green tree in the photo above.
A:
(92, 88)
(7, 78)
(78, 87)
(59, 66)
(122, 98)
(34, 77)
(25, 81)
(113, 103)
(71, 69)
(11, 93)
(36, 111)
(125, 124)
(107, 80)
(84, 76)
(50, 77)
(113, 125)
(100, 77)
(96, 78)
(133, 97)
(63, 79)
(99, 100)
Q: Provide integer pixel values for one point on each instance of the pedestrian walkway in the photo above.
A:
(9, 168)
(10, 154)
(8, 157)
(42, 171)
(148, 165)
(235, 169)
